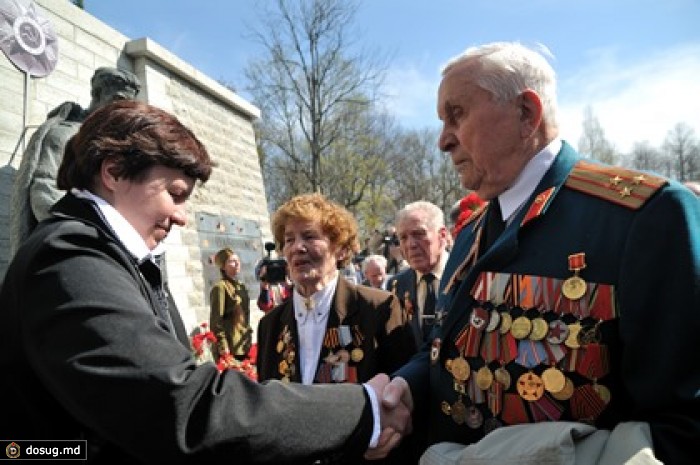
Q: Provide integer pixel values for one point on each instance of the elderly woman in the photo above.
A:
(230, 308)
(330, 330)
(88, 349)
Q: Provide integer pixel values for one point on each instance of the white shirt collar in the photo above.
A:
(321, 302)
(438, 270)
(124, 231)
(528, 179)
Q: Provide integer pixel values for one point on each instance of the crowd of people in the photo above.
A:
(555, 322)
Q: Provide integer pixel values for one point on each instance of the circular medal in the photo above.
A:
(603, 392)
(460, 369)
(491, 424)
(558, 332)
(539, 329)
(458, 411)
(506, 322)
(572, 339)
(283, 367)
(521, 327)
(502, 376)
(332, 358)
(566, 392)
(530, 386)
(493, 321)
(574, 288)
(357, 355)
(479, 318)
(474, 417)
(445, 407)
(343, 356)
(484, 378)
(435, 351)
(553, 379)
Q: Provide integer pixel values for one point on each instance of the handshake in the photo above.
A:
(395, 407)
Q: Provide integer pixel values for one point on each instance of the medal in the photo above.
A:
(458, 411)
(484, 378)
(474, 417)
(566, 392)
(280, 346)
(435, 351)
(574, 287)
(553, 379)
(558, 332)
(460, 369)
(572, 339)
(530, 386)
(493, 321)
(502, 376)
(506, 322)
(603, 392)
(479, 318)
(356, 355)
(521, 327)
(540, 328)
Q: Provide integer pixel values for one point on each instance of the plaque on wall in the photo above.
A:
(242, 236)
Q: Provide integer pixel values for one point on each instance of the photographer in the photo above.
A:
(275, 286)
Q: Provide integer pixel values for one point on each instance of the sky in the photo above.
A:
(636, 63)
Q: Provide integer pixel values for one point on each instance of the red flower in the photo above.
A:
(469, 204)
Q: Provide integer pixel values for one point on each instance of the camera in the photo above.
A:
(275, 269)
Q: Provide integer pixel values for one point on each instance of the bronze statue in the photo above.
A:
(34, 191)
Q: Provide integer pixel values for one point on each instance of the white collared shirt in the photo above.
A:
(311, 325)
(124, 231)
(515, 197)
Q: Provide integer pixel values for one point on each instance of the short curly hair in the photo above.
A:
(335, 220)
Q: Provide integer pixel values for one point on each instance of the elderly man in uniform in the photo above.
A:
(422, 234)
(34, 191)
(569, 307)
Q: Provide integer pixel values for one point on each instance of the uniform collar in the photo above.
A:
(528, 179)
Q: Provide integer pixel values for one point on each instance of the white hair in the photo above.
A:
(377, 259)
(434, 216)
(506, 69)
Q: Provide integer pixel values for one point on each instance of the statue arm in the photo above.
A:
(43, 192)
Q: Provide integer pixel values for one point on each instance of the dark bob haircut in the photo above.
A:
(136, 136)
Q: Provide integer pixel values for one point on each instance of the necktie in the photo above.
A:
(428, 304)
(494, 225)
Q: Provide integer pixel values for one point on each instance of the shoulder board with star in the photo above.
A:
(628, 188)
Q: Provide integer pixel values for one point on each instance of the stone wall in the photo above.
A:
(219, 117)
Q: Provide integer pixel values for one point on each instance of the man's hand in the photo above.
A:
(395, 413)
(397, 391)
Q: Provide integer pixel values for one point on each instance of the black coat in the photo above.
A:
(86, 354)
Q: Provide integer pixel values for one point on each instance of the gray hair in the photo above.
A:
(378, 259)
(506, 69)
(435, 217)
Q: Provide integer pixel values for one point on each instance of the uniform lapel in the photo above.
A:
(505, 249)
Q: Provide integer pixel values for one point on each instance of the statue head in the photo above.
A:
(109, 84)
